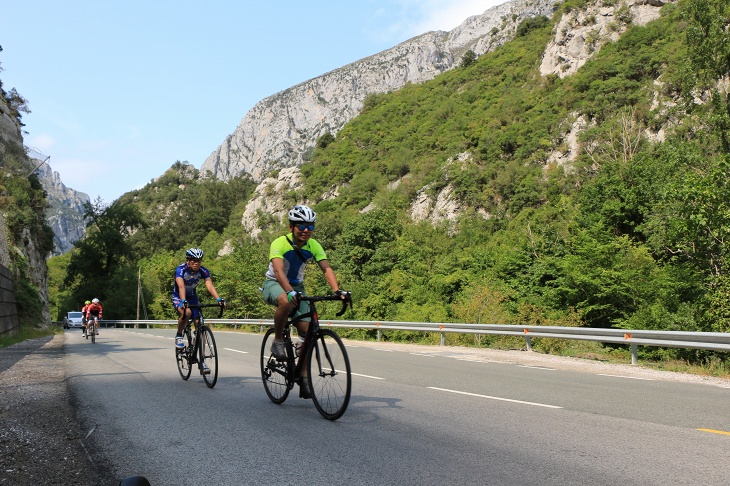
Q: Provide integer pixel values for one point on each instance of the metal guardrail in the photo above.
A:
(716, 341)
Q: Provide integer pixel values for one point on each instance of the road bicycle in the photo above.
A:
(327, 365)
(199, 346)
(92, 323)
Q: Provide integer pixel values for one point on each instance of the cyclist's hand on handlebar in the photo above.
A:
(183, 303)
(221, 302)
(293, 297)
(346, 298)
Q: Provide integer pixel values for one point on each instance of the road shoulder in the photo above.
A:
(40, 437)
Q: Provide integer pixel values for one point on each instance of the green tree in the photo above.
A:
(468, 58)
(708, 38)
(104, 249)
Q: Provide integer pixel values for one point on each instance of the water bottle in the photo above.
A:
(298, 346)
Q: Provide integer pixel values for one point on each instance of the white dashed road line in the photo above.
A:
(629, 377)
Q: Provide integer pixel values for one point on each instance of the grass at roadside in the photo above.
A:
(28, 332)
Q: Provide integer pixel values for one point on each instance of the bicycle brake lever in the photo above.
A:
(348, 300)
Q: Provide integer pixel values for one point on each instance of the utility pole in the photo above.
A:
(139, 282)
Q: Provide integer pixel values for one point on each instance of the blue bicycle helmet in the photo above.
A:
(196, 253)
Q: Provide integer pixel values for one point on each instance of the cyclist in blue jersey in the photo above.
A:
(187, 277)
(285, 277)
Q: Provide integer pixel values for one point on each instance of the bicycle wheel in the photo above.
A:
(274, 373)
(183, 356)
(330, 378)
(93, 335)
(210, 356)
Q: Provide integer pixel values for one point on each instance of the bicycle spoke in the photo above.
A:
(210, 356)
(329, 375)
(274, 373)
(183, 357)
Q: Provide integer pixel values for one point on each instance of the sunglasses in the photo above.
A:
(194, 260)
(302, 227)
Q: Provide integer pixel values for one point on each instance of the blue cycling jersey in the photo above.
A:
(192, 279)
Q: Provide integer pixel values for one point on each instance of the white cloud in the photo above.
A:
(43, 142)
(414, 17)
(446, 15)
(80, 174)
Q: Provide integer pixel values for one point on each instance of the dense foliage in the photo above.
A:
(630, 232)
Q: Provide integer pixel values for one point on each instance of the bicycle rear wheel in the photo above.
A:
(330, 379)
(210, 356)
(274, 373)
(183, 356)
(93, 335)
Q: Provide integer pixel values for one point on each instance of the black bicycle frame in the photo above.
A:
(197, 330)
(312, 329)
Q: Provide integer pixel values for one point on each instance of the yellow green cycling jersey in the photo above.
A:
(283, 248)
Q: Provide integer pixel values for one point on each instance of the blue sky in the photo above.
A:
(121, 89)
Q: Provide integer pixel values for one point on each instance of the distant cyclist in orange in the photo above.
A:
(93, 314)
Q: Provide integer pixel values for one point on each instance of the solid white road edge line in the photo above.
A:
(494, 398)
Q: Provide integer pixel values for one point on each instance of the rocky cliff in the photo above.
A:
(21, 250)
(65, 214)
(282, 129)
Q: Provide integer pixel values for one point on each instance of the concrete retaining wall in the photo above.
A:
(8, 307)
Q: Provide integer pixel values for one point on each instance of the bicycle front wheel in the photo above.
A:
(210, 356)
(274, 373)
(330, 378)
(183, 356)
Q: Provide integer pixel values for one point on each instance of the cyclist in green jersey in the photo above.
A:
(285, 277)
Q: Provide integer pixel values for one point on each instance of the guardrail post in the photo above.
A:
(634, 354)
(528, 343)
(443, 339)
(379, 335)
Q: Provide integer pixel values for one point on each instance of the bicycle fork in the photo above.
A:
(320, 348)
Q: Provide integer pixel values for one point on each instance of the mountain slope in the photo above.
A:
(280, 131)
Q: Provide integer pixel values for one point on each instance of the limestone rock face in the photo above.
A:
(66, 212)
(581, 33)
(281, 130)
(269, 200)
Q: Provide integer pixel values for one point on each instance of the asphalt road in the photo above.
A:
(414, 418)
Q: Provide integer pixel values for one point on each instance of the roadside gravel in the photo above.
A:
(42, 441)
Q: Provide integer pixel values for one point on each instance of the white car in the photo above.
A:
(73, 319)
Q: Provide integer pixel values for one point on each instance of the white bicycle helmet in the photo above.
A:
(95, 301)
(196, 253)
(302, 214)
